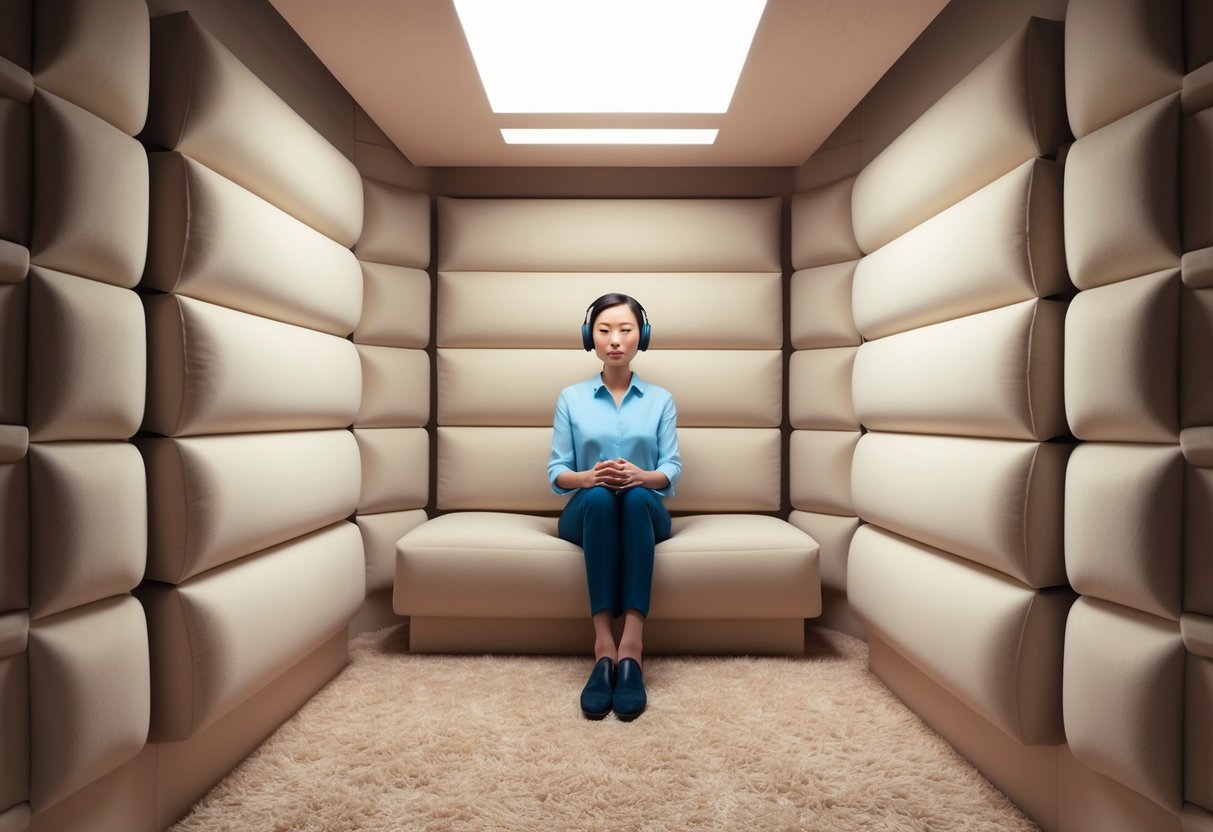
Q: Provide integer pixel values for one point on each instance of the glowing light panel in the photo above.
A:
(553, 135)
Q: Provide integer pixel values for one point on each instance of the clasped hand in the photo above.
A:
(616, 474)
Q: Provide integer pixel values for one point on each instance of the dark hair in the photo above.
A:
(614, 299)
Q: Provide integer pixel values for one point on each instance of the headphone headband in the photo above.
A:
(587, 331)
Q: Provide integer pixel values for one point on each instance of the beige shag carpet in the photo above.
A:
(404, 742)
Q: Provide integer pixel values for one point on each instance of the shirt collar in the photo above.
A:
(637, 384)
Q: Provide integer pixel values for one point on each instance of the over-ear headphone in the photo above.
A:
(587, 331)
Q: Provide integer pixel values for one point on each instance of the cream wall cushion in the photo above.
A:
(692, 310)
(395, 307)
(395, 469)
(1126, 668)
(379, 535)
(820, 306)
(996, 374)
(1012, 108)
(1196, 357)
(216, 370)
(88, 359)
(820, 470)
(609, 235)
(395, 227)
(214, 499)
(821, 226)
(1120, 360)
(833, 534)
(996, 502)
(14, 346)
(215, 241)
(819, 389)
(988, 639)
(209, 106)
(95, 55)
(15, 165)
(88, 515)
(220, 637)
(1120, 56)
(1124, 526)
(89, 695)
(711, 388)
(1000, 246)
(395, 388)
(91, 214)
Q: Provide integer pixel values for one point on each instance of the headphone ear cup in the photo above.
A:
(645, 332)
(587, 337)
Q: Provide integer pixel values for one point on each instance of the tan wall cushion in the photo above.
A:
(214, 499)
(1012, 108)
(14, 727)
(220, 637)
(211, 107)
(395, 227)
(395, 469)
(609, 235)
(504, 469)
(819, 463)
(91, 214)
(88, 516)
(1124, 668)
(395, 388)
(821, 307)
(215, 370)
(821, 226)
(1124, 527)
(15, 37)
(16, 83)
(833, 534)
(379, 535)
(1120, 361)
(88, 359)
(1196, 357)
(1120, 55)
(1197, 175)
(95, 55)
(988, 639)
(14, 543)
(14, 262)
(214, 241)
(1198, 733)
(819, 389)
(999, 246)
(395, 307)
(995, 374)
(14, 334)
(520, 387)
(1198, 540)
(995, 502)
(89, 692)
(15, 166)
(687, 311)
(1122, 197)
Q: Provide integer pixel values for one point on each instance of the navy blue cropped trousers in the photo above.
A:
(618, 532)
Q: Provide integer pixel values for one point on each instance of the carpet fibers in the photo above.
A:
(403, 742)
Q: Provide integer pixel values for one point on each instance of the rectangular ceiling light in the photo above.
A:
(527, 135)
(609, 56)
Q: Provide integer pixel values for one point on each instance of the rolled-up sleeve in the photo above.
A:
(562, 457)
(669, 460)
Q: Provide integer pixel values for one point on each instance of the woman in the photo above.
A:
(615, 447)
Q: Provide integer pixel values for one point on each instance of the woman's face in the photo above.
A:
(616, 335)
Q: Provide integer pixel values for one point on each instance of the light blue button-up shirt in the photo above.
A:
(589, 427)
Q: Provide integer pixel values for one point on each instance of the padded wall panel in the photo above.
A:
(16, 83)
(395, 226)
(88, 359)
(88, 523)
(1198, 33)
(215, 370)
(395, 469)
(504, 469)
(215, 241)
(995, 502)
(95, 55)
(379, 535)
(716, 388)
(1197, 180)
(833, 534)
(1121, 361)
(1120, 56)
(395, 307)
(995, 374)
(819, 462)
(1122, 197)
(223, 635)
(821, 226)
(14, 709)
(1013, 108)
(14, 329)
(214, 499)
(209, 106)
(395, 388)
(15, 162)
(14, 262)
(819, 389)
(15, 39)
(1125, 668)
(821, 307)
(605, 235)
(89, 688)
(1123, 506)
(687, 310)
(1198, 732)
(14, 543)
(1198, 540)
(1000, 246)
(91, 214)
(988, 639)
(1196, 357)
